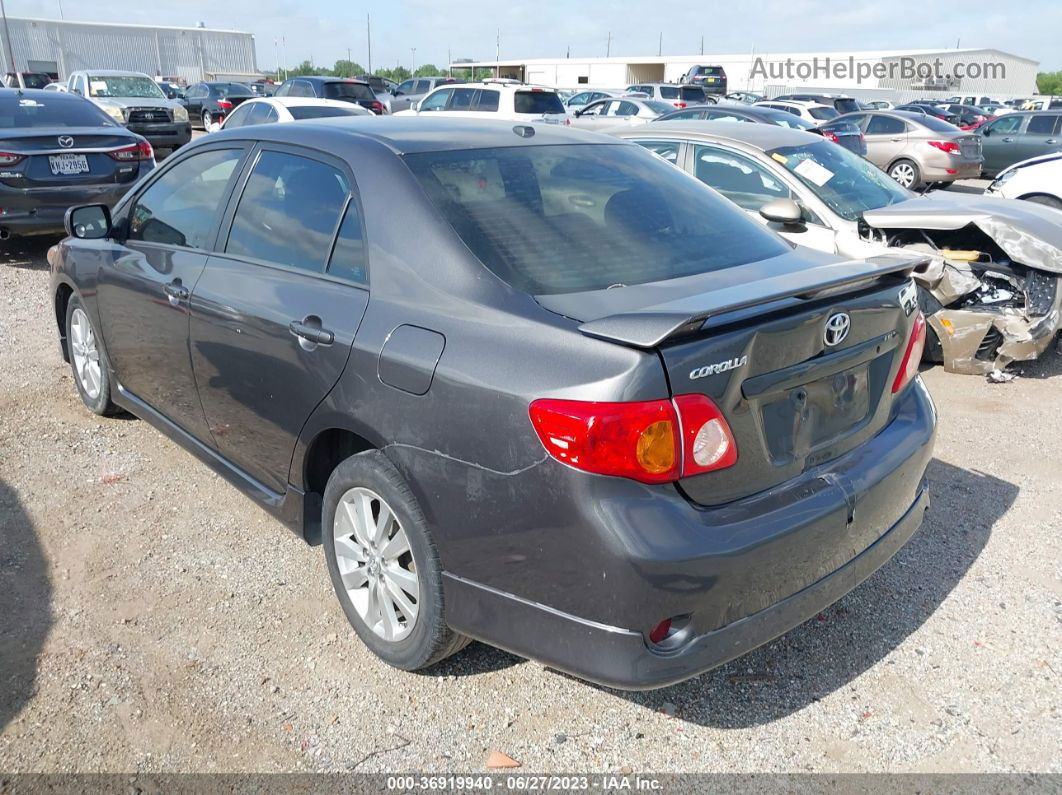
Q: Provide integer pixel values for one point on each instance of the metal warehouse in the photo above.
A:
(891, 75)
(190, 54)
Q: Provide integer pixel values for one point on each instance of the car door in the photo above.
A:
(169, 225)
(999, 142)
(436, 101)
(1040, 136)
(621, 112)
(750, 185)
(403, 96)
(595, 115)
(886, 138)
(274, 314)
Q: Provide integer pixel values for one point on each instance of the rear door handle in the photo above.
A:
(309, 330)
(1051, 141)
(176, 291)
(1008, 140)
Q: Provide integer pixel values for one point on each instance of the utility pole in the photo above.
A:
(7, 46)
(497, 55)
(449, 62)
(412, 60)
(702, 44)
(368, 38)
(61, 10)
(608, 47)
(349, 61)
(276, 52)
(660, 46)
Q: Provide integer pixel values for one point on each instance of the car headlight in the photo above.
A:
(114, 111)
(180, 113)
(998, 182)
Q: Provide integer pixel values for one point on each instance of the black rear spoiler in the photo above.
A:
(647, 328)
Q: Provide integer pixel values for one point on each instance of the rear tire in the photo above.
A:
(1046, 201)
(907, 173)
(88, 360)
(207, 121)
(391, 588)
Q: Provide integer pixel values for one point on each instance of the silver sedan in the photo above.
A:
(618, 112)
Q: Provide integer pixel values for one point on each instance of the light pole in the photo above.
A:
(7, 46)
(368, 39)
(412, 60)
(608, 47)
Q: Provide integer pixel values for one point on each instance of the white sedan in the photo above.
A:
(267, 110)
(1038, 179)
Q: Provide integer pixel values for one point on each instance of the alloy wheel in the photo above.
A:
(86, 354)
(376, 564)
(903, 173)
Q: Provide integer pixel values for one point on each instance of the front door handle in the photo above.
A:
(176, 291)
(896, 140)
(1051, 141)
(310, 333)
(1008, 140)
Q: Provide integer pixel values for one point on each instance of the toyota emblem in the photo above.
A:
(66, 141)
(837, 328)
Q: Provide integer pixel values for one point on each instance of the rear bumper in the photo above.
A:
(164, 136)
(41, 210)
(735, 576)
(939, 172)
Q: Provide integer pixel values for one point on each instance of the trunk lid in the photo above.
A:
(759, 347)
(48, 163)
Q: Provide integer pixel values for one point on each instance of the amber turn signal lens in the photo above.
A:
(656, 447)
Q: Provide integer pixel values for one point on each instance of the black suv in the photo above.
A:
(341, 88)
(530, 385)
(210, 103)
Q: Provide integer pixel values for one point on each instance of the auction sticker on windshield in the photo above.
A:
(813, 172)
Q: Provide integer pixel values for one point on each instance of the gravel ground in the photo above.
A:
(155, 620)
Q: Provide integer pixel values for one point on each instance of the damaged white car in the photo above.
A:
(991, 290)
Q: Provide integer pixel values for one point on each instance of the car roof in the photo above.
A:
(412, 134)
(299, 102)
(327, 79)
(761, 136)
(34, 93)
(112, 73)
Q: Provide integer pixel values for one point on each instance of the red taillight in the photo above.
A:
(913, 356)
(829, 136)
(659, 632)
(377, 107)
(9, 158)
(653, 441)
(947, 147)
(139, 151)
(679, 104)
(224, 104)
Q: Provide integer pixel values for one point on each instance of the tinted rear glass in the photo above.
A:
(352, 90)
(846, 105)
(823, 113)
(537, 102)
(319, 112)
(692, 94)
(50, 111)
(233, 90)
(569, 218)
(938, 125)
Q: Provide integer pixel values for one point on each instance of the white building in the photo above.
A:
(59, 47)
(883, 74)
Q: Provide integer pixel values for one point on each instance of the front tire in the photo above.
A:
(384, 565)
(907, 173)
(207, 121)
(1046, 201)
(88, 360)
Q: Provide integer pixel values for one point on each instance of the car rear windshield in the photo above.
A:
(124, 86)
(570, 218)
(657, 107)
(351, 90)
(823, 113)
(537, 102)
(846, 105)
(320, 111)
(29, 79)
(233, 90)
(53, 111)
(848, 184)
(709, 71)
(938, 125)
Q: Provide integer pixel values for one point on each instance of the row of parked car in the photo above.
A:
(628, 404)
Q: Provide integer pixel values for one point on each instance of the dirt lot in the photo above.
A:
(155, 620)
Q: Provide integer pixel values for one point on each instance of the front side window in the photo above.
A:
(623, 109)
(406, 87)
(746, 183)
(579, 99)
(181, 206)
(1005, 126)
(284, 193)
(553, 219)
(437, 100)
(423, 86)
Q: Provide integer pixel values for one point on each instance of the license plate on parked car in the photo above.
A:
(68, 164)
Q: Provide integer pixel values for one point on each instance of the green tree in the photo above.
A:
(306, 68)
(345, 68)
(1049, 83)
(427, 70)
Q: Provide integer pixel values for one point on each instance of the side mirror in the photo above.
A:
(88, 222)
(785, 212)
(414, 105)
(398, 93)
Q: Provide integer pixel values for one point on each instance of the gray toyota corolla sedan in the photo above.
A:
(528, 385)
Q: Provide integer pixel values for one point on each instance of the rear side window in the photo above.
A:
(885, 125)
(284, 193)
(692, 94)
(537, 102)
(570, 218)
(687, 114)
(462, 99)
(261, 113)
(181, 206)
(937, 125)
(320, 112)
(1042, 124)
(348, 259)
(486, 101)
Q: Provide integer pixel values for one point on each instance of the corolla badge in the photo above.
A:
(837, 328)
(66, 141)
(718, 367)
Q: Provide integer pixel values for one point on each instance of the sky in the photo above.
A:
(323, 30)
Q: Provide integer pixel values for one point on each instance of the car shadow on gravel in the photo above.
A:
(26, 616)
(27, 252)
(837, 646)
